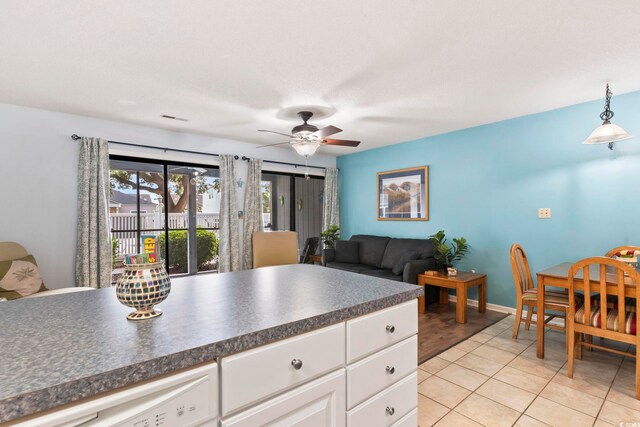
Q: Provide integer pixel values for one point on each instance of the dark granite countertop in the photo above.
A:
(58, 349)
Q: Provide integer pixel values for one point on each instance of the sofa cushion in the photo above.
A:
(398, 267)
(20, 278)
(371, 249)
(397, 247)
(347, 251)
(383, 274)
(355, 268)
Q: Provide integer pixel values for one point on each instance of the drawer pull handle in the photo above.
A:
(390, 410)
(296, 363)
(391, 370)
(391, 329)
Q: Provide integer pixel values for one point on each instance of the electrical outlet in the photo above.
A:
(544, 213)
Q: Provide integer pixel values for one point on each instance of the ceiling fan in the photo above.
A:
(306, 138)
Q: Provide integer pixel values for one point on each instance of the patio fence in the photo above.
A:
(126, 223)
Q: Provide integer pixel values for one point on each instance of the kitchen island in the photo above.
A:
(76, 347)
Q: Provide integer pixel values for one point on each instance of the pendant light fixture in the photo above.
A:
(607, 133)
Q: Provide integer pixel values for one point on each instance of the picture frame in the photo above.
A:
(403, 194)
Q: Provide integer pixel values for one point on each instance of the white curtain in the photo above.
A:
(331, 207)
(93, 253)
(229, 222)
(252, 209)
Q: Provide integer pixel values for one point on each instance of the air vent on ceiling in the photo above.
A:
(164, 116)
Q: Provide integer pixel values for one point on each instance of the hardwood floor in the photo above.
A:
(438, 330)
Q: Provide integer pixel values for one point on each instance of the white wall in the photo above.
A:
(38, 170)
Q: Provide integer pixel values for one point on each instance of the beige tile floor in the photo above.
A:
(492, 380)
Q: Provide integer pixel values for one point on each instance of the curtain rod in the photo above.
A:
(165, 149)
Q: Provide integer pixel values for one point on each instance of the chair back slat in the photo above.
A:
(521, 272)
(587, 293)
(622, 304)
(614, 251)
(602, 283)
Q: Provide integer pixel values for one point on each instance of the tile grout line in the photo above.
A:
(611, 386)
(547, 382)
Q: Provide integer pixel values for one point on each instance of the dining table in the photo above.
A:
(557, 277)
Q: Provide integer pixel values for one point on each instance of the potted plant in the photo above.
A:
(446, 255)
(330, 236)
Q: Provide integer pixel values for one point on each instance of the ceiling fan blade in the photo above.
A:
(273, 145)
(326, 131)
(343, 142)
(277, 133)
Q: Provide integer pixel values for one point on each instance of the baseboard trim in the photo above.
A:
(492, 307)
(503, 309)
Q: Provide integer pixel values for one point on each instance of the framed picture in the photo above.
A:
(403, 194)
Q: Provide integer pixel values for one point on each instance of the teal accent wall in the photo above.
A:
(486, 183)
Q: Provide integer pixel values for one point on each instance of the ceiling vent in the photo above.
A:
(180, 119)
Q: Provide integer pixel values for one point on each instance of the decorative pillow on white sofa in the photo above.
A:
(20, 278)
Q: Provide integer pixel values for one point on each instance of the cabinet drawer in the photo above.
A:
(370, 333)
(378, 371)
(387, 407)
(259, 373)
(409, 420)
(320, 403)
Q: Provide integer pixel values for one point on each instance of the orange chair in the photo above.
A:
(600, 317)
(274, 248)
(527, 294)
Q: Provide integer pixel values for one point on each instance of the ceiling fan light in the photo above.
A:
(306, 148)
(606, 133)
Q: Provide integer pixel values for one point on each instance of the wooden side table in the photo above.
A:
(461, 283)
(313, 259)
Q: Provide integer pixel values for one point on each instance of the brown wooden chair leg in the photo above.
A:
(579, 348)
(518, 319)
(571, 337)
(637, 374)
(529, 317)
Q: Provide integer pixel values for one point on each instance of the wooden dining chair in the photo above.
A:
(527, 294)
(614, 251)
(598, 317)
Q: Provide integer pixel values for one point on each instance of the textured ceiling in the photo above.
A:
(385, 71)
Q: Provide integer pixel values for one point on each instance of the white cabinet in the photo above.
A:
(289, 384)
(380, 370)
(256, 374)
(320, 403)
(388, 406)
(375, 331)
(409, 420)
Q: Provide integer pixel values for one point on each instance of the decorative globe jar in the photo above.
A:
(142, 286)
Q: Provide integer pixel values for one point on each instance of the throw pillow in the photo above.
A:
(20, 278)
(347, 251)
(398, 267)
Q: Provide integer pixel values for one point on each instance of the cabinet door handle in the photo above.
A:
(391, 370)
(296, 363)
(390, 410)
(391, 329)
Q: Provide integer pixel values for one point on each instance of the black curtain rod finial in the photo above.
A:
(75, 137)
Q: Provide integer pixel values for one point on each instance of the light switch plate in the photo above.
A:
(544, 213)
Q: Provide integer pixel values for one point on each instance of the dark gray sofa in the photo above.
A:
(377, 256)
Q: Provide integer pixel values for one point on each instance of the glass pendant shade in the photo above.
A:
(306, 148)
(607, 133)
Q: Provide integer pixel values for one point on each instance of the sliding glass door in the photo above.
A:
(168, 209)
(294, 203)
